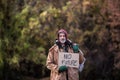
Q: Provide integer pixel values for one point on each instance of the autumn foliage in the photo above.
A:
(28, 29)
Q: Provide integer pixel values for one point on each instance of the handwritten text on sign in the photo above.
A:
(68, 59)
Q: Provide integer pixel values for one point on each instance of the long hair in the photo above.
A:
(68, 44)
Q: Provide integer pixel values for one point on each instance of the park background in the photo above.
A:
(28, 29)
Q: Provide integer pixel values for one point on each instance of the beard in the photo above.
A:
(62, 41)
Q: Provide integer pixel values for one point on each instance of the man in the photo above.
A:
(63, 44)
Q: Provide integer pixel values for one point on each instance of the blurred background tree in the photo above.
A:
(28, 29)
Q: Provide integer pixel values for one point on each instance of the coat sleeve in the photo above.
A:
(81, 57)
(81, 66)
(50, 61)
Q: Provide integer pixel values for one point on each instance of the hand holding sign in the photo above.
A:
(75, 48)
(62, 69)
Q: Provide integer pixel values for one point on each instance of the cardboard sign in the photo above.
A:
(68, 59)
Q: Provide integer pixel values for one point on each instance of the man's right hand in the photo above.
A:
(62, 69)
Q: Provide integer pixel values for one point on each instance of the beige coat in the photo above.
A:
(52, 64)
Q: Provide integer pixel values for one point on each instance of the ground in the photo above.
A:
(31, 78)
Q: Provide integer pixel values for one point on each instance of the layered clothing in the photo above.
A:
(52, 64)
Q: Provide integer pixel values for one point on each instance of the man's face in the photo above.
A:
(62, 38)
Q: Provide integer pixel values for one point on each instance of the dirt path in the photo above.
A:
(31, 78)
(45, 79)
